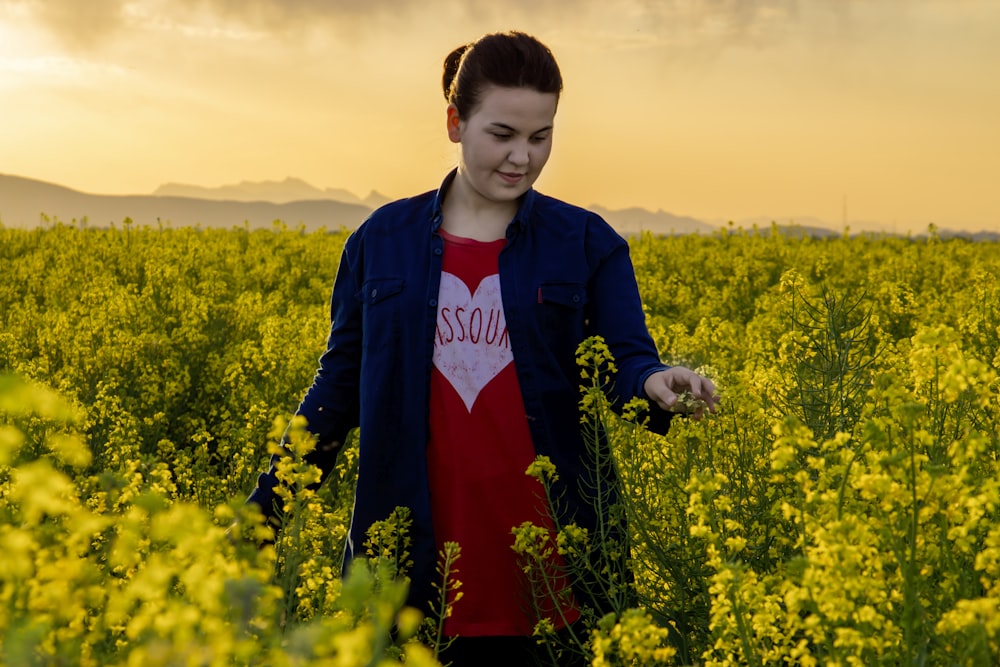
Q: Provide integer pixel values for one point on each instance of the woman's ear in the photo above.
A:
(454, 122)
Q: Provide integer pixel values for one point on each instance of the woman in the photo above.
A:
(456, 316)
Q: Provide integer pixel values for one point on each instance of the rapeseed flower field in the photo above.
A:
(841, 509)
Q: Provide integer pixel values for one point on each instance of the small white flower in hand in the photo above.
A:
(680, 389)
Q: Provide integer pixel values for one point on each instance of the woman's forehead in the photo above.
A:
(516, 107)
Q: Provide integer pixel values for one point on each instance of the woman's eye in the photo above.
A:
(539, 140)
(501, 137)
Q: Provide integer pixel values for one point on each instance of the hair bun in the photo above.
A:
(451, 63)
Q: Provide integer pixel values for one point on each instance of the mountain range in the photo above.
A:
(29, 203)
(277, 192)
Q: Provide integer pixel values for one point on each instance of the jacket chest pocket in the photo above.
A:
(381, 305)
(561, 308)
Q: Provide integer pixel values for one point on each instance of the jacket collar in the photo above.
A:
(519, 221)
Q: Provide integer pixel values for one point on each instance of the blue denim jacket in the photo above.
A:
(565, 275)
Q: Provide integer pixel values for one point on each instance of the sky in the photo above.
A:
(873, 113)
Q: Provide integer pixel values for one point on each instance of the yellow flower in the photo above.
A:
(543, 470)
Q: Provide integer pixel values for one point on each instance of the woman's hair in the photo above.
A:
(507, 59)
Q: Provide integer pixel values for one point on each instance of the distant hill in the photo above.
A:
(636, 220)
(23, 201)
(626, 221)
(277, 192)
(804, 225)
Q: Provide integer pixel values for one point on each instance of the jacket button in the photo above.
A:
(437, 251)
(432, 303)
(374, 293)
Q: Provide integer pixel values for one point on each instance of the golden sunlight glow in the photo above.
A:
(880, 114)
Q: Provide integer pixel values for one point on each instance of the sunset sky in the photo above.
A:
(887, 111)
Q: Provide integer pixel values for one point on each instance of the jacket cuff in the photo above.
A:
(659, 419)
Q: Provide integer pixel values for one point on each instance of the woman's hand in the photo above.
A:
(666, 388)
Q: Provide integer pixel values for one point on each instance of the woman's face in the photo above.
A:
(506, 141)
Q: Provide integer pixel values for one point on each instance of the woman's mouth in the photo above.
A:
(510, 178)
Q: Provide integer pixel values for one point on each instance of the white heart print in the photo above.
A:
(471, 346)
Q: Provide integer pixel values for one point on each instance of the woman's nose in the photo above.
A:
(518, 155)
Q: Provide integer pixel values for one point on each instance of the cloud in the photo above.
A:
(79, 25)
(84, 25)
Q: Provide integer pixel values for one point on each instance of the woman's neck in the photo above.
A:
(468, 214)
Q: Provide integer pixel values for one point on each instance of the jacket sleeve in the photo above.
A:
(617, 316)
(331, 404)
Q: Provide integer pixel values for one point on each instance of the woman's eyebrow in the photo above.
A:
(508, 128)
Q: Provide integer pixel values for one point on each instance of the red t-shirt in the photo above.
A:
(480, 446)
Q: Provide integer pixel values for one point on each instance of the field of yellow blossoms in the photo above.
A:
(841, 509)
